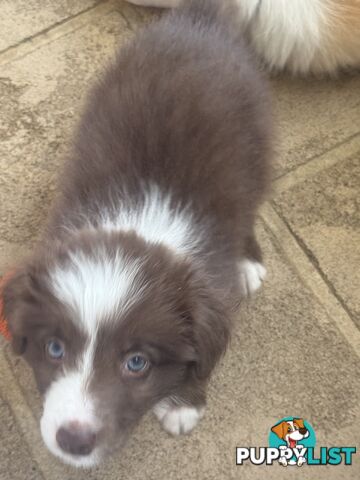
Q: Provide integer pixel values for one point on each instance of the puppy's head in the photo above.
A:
(110, 326)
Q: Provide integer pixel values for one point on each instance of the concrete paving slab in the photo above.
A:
(39, 110)
(12, 448)
(286, 358)
(11, 254)
(313, 116)
(324, 213)
(310, 276)
(138, 16)
(21, 19)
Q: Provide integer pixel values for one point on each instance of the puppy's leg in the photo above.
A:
(180, 413)
(251, 269)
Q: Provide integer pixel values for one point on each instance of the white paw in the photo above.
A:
(252, 275)
(178, 420)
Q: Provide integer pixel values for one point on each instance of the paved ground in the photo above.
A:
(296, 346)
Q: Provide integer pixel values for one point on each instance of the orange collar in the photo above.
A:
(4, 328)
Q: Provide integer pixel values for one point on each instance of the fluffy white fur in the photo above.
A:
(252, 275)
(67, 400)
(94, 288)
(303, 36)
(178, 420)
(158, 221)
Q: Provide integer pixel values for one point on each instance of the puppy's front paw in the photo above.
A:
(178, 420)
(252, 274)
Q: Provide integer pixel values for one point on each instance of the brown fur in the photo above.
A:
(182, 107)
(342, 30)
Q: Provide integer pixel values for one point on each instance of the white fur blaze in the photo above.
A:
(96, 287)
(178, 420)
(65, 401)
(251, 276)
(158, 221)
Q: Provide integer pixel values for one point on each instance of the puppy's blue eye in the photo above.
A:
(55, 349)
(136, 364)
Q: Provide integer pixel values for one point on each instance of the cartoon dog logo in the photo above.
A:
(291, 432)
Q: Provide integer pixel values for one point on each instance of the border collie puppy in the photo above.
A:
(302, 36)
(125, 305)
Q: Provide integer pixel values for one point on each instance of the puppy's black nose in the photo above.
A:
(302, 431)
(76, 439)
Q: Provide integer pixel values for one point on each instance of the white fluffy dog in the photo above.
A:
(302, 36)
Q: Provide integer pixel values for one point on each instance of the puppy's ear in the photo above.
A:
(16, 292)
(299, 422)
(280, 430)
(211, 330)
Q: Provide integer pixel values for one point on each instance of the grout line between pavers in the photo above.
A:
(325, 160)
(123, 12)
(27, 423)
(310, 276)
(316, 264)
(53, 32)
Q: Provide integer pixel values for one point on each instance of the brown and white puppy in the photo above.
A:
(302, 36)
(125, 305)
